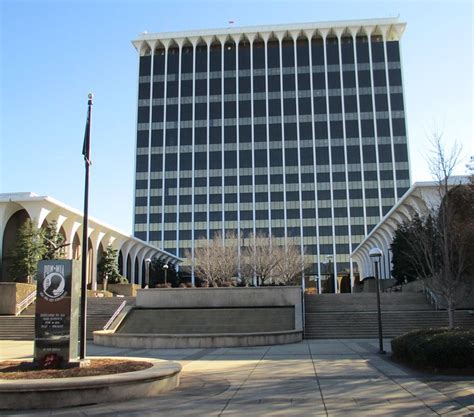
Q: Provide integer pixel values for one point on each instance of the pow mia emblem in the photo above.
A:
(54, 285)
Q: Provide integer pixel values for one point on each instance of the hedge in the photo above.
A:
(436, 348)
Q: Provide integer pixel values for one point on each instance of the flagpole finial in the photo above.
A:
(90, 97)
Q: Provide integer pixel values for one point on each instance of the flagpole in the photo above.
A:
(85, 227)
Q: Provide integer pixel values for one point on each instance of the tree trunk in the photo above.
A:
(450, 314)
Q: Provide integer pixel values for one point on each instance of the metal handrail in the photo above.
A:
(114, 316)
(25, 303)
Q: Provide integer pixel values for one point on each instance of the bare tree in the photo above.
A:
(228, 257)
(271, 263)
(215, 261)
(292, 264)
(442, 251)
(453, 235)
(259, 259)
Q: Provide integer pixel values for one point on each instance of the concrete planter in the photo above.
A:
(127, 290)
(12, 293)
(163, 376)
(194, 341)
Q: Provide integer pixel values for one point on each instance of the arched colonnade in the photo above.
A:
(15, 209)
(418, 199)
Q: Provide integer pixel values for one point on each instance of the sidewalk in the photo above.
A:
(312, 378)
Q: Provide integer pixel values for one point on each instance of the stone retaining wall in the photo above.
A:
(13, 293)
(239, 297)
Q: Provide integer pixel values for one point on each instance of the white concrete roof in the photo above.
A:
(420, 198)
(391, 27)
(29, 197)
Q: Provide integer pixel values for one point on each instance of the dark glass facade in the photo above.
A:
(293, 137)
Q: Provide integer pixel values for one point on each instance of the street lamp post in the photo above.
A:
(376, 254)
(165, 268)
(147, 272)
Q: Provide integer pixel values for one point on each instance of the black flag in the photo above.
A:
(86, 147)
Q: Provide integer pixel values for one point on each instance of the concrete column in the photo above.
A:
(280, 37)
(298, 141)
(398, 31)
(195, 43)
(252, 38)
(180, 61)
(37, 212)
(71, 227)
(208, 43)
(138, 45)
(324, 34)
(222, 39)
(96, 237)
(150, 127)
(140, 257)
(265, 40)
(133, 256)
(385, 32)
(339, 38)
(125, 248)
(310, 52)
(237, 129)
(165, 96)
(370, 30)
(354, 41)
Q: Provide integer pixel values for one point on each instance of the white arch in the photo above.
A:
(6, 213)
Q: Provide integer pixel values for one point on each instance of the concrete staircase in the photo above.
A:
(348, 316)
(99, 311)
(17, 327)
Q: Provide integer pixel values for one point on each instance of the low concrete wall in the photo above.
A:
(175, 341)
(163, 376)
(127, 290)
(223, 297)
(11, 294)
(99, 294)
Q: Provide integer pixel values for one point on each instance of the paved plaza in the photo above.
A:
(311, 378)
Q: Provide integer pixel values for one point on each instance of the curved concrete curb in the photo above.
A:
(66, 392)
(173, 341)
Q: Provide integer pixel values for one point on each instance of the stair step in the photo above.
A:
(99, 311)
(355, 315)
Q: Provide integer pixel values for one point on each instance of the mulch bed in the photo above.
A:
(30, 370)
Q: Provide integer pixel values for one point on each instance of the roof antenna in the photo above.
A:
(231, 23)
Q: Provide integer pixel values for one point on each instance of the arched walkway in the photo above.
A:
(129, 268)
(100, 255)
(120, 262)
(76, 247)
(10, 234)
(16, 208)
(90, 262)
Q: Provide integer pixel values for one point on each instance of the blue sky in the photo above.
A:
(54, 52)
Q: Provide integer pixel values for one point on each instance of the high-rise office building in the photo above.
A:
(291, 130)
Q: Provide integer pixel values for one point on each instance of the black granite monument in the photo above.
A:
(57, 310)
